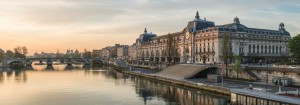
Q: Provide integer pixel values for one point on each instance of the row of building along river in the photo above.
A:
(94, 86)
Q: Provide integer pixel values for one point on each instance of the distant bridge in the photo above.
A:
(49, 61)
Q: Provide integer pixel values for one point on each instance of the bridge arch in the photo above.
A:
(97, 62)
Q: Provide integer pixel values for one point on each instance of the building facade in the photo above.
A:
(111, 52)
(122, 52)
(201, 42)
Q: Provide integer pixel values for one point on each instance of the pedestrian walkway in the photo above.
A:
(235, 84)
(178, 72)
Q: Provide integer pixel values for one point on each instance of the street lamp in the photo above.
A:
(267, 75)
(222, 66)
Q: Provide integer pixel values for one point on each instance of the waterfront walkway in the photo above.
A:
(228, 83)
(237, 84)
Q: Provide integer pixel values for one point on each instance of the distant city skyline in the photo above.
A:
(78, 24)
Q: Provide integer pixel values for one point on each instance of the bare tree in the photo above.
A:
(24, 50)
(172, 48)
(226, 50)
(20, 52)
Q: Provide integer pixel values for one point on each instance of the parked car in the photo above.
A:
(293, 67)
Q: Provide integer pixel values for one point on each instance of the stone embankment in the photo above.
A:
(176, 79)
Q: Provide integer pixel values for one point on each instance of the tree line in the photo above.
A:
(17, 52)
(294, 47)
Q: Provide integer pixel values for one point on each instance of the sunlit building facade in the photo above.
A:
(201, 42)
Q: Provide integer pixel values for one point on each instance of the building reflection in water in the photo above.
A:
(1, 77)
(176, 95)
(19, 76)
(173, 95)
(146, 89)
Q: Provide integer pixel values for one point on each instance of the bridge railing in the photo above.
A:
(274, 69)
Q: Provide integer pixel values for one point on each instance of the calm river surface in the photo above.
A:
(102, 86)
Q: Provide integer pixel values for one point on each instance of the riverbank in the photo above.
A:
(204, 84)
(185, 83)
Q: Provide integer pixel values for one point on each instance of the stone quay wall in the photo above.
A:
(205, 87)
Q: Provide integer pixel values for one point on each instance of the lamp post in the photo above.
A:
(267, 75)
(222, 66)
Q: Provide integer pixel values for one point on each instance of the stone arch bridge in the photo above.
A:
(49, 61)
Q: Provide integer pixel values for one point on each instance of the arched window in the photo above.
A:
(262, 49)
(200, 49)
(164, 53)
(208, 49)
(196, 48)
(157, 53)
(147, 54)
(249, 48)
(257, 48)
(143, 54)
(280, 49)
(253, 48)
(266, 49)
(152, 53)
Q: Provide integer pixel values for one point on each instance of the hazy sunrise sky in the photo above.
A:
(51, 25)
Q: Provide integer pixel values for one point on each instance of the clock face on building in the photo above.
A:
(187, 35)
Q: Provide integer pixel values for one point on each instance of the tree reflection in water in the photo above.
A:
(19, 76)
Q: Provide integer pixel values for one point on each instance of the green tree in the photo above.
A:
(9, 54)
(2, 55)
(87, 54)
(294, 46)
(226, 50)
(171, 48)
(237, 65)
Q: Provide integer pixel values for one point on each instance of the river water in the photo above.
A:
(98, 86)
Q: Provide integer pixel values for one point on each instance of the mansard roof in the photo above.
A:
(235, 27)
(175, 34)
(232, 25)
(145, 37)
(200, 24)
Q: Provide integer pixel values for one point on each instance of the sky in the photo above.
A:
(51, 25)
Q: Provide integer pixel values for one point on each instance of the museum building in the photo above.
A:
(201, 42)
